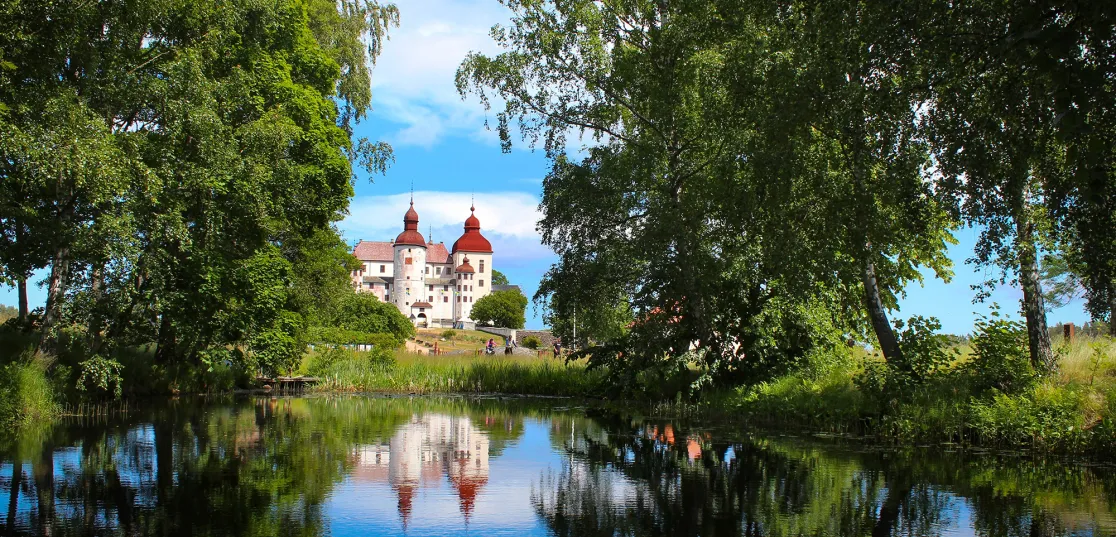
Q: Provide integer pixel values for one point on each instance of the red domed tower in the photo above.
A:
(410, 234)
(474, 253)
(408, 283)
(472, 241)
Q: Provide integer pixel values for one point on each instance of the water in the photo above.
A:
(367, 466)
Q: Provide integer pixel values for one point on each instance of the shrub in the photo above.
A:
(923, 348)
(338, 336)
(1042, 416)
(1000, 359)
(532, 342)
(100, 378)
(448, 334)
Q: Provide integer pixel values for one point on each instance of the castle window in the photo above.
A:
(482, 265)
(482, 283)
(408, 261)
(428, 270)
(381, 269)
(431, 287)
(445, 288)
(431, 298)
(438, 271)
(445, 299)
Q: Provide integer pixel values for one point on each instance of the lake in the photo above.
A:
(368, 465)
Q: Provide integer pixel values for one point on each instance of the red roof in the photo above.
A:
(421, 305)
(374, 251)
(465, 266)
(411, 235)
(472, 240)
(437, 253)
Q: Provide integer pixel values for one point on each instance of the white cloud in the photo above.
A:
(507, 218)
(413, 82)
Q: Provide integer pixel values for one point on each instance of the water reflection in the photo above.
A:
(421, 452)
(655, 479)
(379, 466)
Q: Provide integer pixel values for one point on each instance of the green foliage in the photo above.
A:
(1041, 416)
(338, 336)
(330, 359)
(1000, 358)
(278, 348)
(448, 334)
(924, 349)
(186, 206)
(363, 312)
(506, 309)
(26, 394)
(425, 375)
(100, 378)
(498, 278)
(532, 342)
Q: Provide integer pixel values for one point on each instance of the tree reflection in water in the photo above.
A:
(271, 466)
(642, 479)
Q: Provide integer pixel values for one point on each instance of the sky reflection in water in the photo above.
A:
(367, 466)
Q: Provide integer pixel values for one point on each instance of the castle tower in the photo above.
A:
(408, 292)
(472, 255)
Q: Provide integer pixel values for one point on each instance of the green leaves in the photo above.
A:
(504, 309)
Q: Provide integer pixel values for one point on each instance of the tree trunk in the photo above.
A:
(1112, 312)
(898, 494)
(43, 469)
(13, 494)
(165, 349)
(96, 318)
(889, 345)
(1034, 310)
(21, 285)
(59, 269)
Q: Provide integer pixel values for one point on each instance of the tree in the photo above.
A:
(498, 278)
(363, 312)
(738, 172)
(505, 309)
(998, 109)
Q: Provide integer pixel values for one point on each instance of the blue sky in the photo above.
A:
(442, 146)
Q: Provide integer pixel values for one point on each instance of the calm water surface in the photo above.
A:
(448, 466)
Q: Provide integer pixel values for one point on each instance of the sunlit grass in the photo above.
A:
(419, 374)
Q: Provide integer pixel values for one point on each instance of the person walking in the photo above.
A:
(507, 346)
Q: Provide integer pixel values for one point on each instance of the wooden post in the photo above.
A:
(1069, 331)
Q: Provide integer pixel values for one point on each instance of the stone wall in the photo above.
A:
(546, 339)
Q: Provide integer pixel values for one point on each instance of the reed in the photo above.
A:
(411, 373)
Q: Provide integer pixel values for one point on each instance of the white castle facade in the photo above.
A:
(432, 286)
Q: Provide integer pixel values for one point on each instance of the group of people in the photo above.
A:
(510, 345)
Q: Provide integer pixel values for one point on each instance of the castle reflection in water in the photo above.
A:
(423, 451)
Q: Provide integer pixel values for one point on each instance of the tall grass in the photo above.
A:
(1073, 410)
(410, 373)
(26, 393)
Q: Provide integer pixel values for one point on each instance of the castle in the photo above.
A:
(430, 285)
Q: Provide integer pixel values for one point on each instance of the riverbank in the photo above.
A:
(1070, 412)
